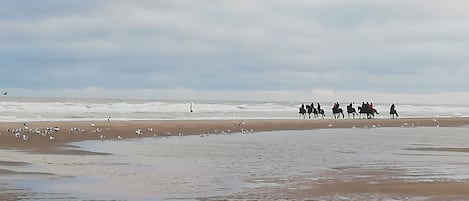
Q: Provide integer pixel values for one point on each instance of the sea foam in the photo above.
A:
(53, 109)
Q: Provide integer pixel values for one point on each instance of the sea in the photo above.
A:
(20, 109)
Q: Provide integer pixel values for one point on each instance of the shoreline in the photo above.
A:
(66, 132)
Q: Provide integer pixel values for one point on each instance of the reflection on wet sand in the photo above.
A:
(328, 164)
(354, 183)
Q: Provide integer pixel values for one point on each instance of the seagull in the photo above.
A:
(102, 137)
(119, 137)
(139, 132)
(51, 138)
(5, 93)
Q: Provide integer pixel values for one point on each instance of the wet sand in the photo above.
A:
(358, 185)
(298, 188)
(126, 129)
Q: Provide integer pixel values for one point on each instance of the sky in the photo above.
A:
(299, 50)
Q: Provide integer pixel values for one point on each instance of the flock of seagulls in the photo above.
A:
(50, 133)
(24, 132)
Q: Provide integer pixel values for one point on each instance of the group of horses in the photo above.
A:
(365, 111)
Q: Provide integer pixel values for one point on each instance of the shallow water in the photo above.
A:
(191, 166)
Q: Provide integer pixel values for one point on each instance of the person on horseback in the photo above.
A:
(310, 108)
(302, 111)
(393, 112)
(336, 110)
(351, 110)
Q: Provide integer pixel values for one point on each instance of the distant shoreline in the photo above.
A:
(92, 130)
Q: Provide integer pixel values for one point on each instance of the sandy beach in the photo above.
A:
(92, 130)
(375, 182)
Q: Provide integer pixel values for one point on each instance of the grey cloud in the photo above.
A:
(247, 45)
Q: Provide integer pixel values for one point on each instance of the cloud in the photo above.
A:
(381, 46)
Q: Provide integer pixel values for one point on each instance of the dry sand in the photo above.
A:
(305, 189)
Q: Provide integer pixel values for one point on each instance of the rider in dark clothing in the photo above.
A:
(393, 111)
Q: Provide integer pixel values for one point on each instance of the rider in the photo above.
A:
(336, 105)
(393, 110)
(302, 107)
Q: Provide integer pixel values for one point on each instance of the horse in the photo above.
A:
(336, 111)
(310, 109)
(351, 110)
(302, 111)
(370, 113)
(393, 113)
(318, 112)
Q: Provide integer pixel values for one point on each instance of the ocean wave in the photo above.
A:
(27, 109)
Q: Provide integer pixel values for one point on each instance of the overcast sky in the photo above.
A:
(387, 50)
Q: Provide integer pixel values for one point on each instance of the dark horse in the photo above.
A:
(366, 110)
(351, 110)
(302, 111)
(336, 111)
(393, 112)
(318, 112)
(310, 109)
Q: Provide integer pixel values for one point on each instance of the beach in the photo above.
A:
(92, 130)
(355, 180)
